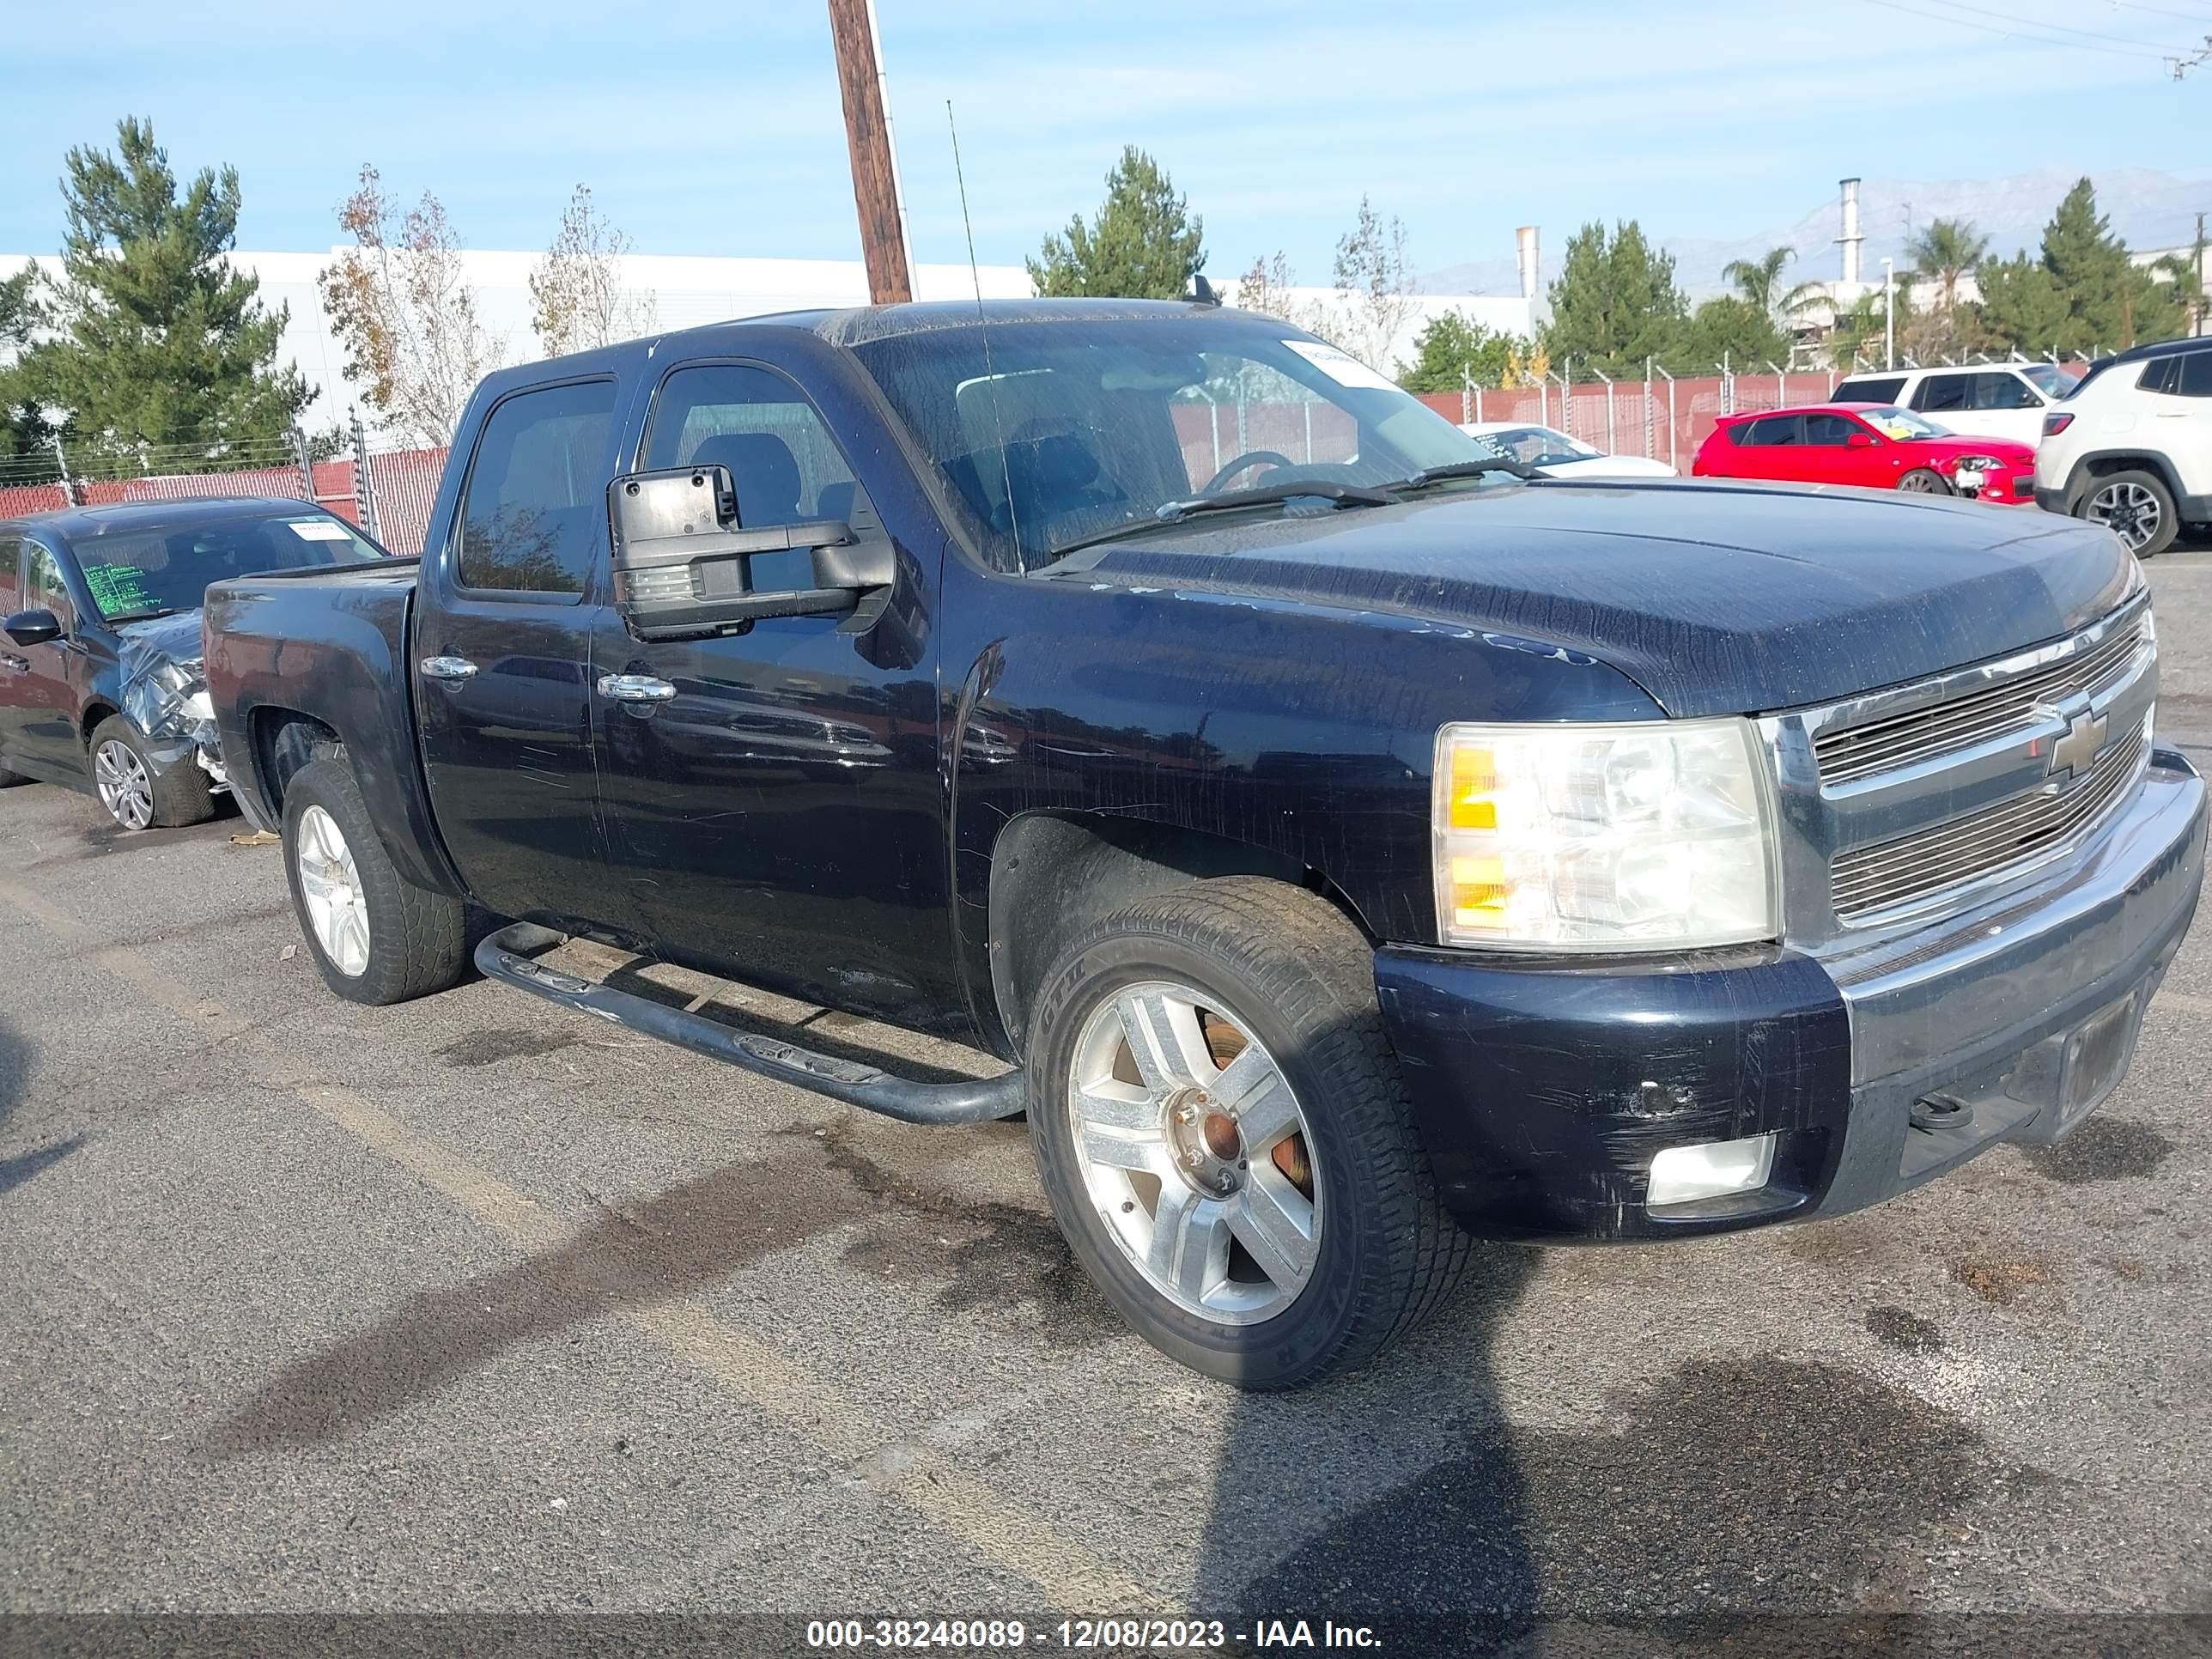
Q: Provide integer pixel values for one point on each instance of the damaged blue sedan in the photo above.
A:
(102, 687)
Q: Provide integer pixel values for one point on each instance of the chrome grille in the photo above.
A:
(2015, 831)
(1920, 734)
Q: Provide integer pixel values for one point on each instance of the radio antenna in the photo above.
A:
(983, 327)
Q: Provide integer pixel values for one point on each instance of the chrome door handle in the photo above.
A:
(635, 688)
(15, 664)
(451, 670)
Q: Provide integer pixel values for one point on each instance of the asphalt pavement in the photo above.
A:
(472, 1305)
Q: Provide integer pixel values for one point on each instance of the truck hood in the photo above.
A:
(1717, 598)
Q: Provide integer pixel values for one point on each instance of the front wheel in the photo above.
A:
(1921, 481)
(138, 793)
(376, 938)
(2137, 508)
(1223, 1133)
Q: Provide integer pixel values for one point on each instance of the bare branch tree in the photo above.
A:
(399, 303)
(1266, 289)
(577, 300)
(1374, 288)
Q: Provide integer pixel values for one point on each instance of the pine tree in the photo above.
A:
(22, 426)
(2090, 296)
(1143, 243)
(161, 343)
(1614, 303)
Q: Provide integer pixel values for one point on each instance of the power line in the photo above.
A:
(2120, 46)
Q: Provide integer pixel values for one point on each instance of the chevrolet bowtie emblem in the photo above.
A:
(2073, 752)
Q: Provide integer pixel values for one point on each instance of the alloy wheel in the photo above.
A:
(2130, 511)
(330, 882)
(1192, 1145)
(126, 787)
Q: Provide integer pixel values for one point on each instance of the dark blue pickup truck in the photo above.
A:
(1350, 844)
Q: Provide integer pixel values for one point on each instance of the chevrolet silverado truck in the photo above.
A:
(1348, 845)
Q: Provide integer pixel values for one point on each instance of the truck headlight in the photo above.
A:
(1630, 837)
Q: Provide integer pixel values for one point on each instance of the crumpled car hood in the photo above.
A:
(162, 665)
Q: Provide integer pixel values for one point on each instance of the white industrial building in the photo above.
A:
(686, 292)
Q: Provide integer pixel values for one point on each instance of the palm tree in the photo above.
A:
(1755, 279)
(1944, 252)
(2186, 272)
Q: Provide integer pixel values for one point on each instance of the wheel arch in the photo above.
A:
(283, 740)
(1053, 872)
(94, 711)
(2103, 463)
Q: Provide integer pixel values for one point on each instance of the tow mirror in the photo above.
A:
(683, 558)
(32, 627)
(1860, 441)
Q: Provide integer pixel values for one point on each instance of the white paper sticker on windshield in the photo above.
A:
(318, 530)
(1341, 367)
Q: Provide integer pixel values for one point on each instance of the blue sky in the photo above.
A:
(714, 129)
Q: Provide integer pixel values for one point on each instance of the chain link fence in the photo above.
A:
(387, 493)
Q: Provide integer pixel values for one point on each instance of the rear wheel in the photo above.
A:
(2136, 506)
(138, 793)
(1923, 482)
(376, 939)
(1224, 1139)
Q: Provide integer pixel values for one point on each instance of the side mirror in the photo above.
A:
(683, 559)
(32, 627)
(1860, 440)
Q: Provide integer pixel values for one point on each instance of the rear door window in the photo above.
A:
(533, 516)
(1879, 390)
(1941, 392)
(1774, 430)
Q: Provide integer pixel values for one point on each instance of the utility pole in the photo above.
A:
(875, 164)
(1888, 315)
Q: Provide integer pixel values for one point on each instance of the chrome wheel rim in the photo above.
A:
(337, 908)
(126, 787)
(2128, 511)
(1192, 1147)
(1919, 484)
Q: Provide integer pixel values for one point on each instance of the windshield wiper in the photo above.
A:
(1433, 475)
(144, 615)
(1190, 507)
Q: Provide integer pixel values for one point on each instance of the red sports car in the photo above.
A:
(1871, 445)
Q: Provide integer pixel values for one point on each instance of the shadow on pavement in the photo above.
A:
(14, 1070)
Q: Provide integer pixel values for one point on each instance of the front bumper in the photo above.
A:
(1544, 1089)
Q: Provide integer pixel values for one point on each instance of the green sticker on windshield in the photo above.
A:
(117, 589)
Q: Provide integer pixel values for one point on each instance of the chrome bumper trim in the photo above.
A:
(2016, 968)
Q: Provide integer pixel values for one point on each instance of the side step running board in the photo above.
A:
(507, 957)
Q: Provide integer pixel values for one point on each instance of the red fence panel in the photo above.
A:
(17, 499)
(403, 485)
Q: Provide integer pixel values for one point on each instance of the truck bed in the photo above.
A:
(330, 646)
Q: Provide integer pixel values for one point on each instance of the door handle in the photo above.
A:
(14, 665)
(635, 688)
(451, 670)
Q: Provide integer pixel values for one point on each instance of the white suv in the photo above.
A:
(1987, 400)
(2131, 446)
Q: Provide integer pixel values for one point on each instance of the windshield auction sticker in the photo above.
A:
(1342, 367)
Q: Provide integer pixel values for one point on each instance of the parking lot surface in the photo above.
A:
(471, 1305)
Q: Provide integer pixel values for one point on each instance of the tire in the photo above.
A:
(411, 942)
(2136, 506)
(138, 794)
(1279, 969)
(9, 780)
(1922, 481)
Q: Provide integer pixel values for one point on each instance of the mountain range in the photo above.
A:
(2149, 208)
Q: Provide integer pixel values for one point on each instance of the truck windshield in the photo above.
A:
(1049, 432)
(150, 572)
